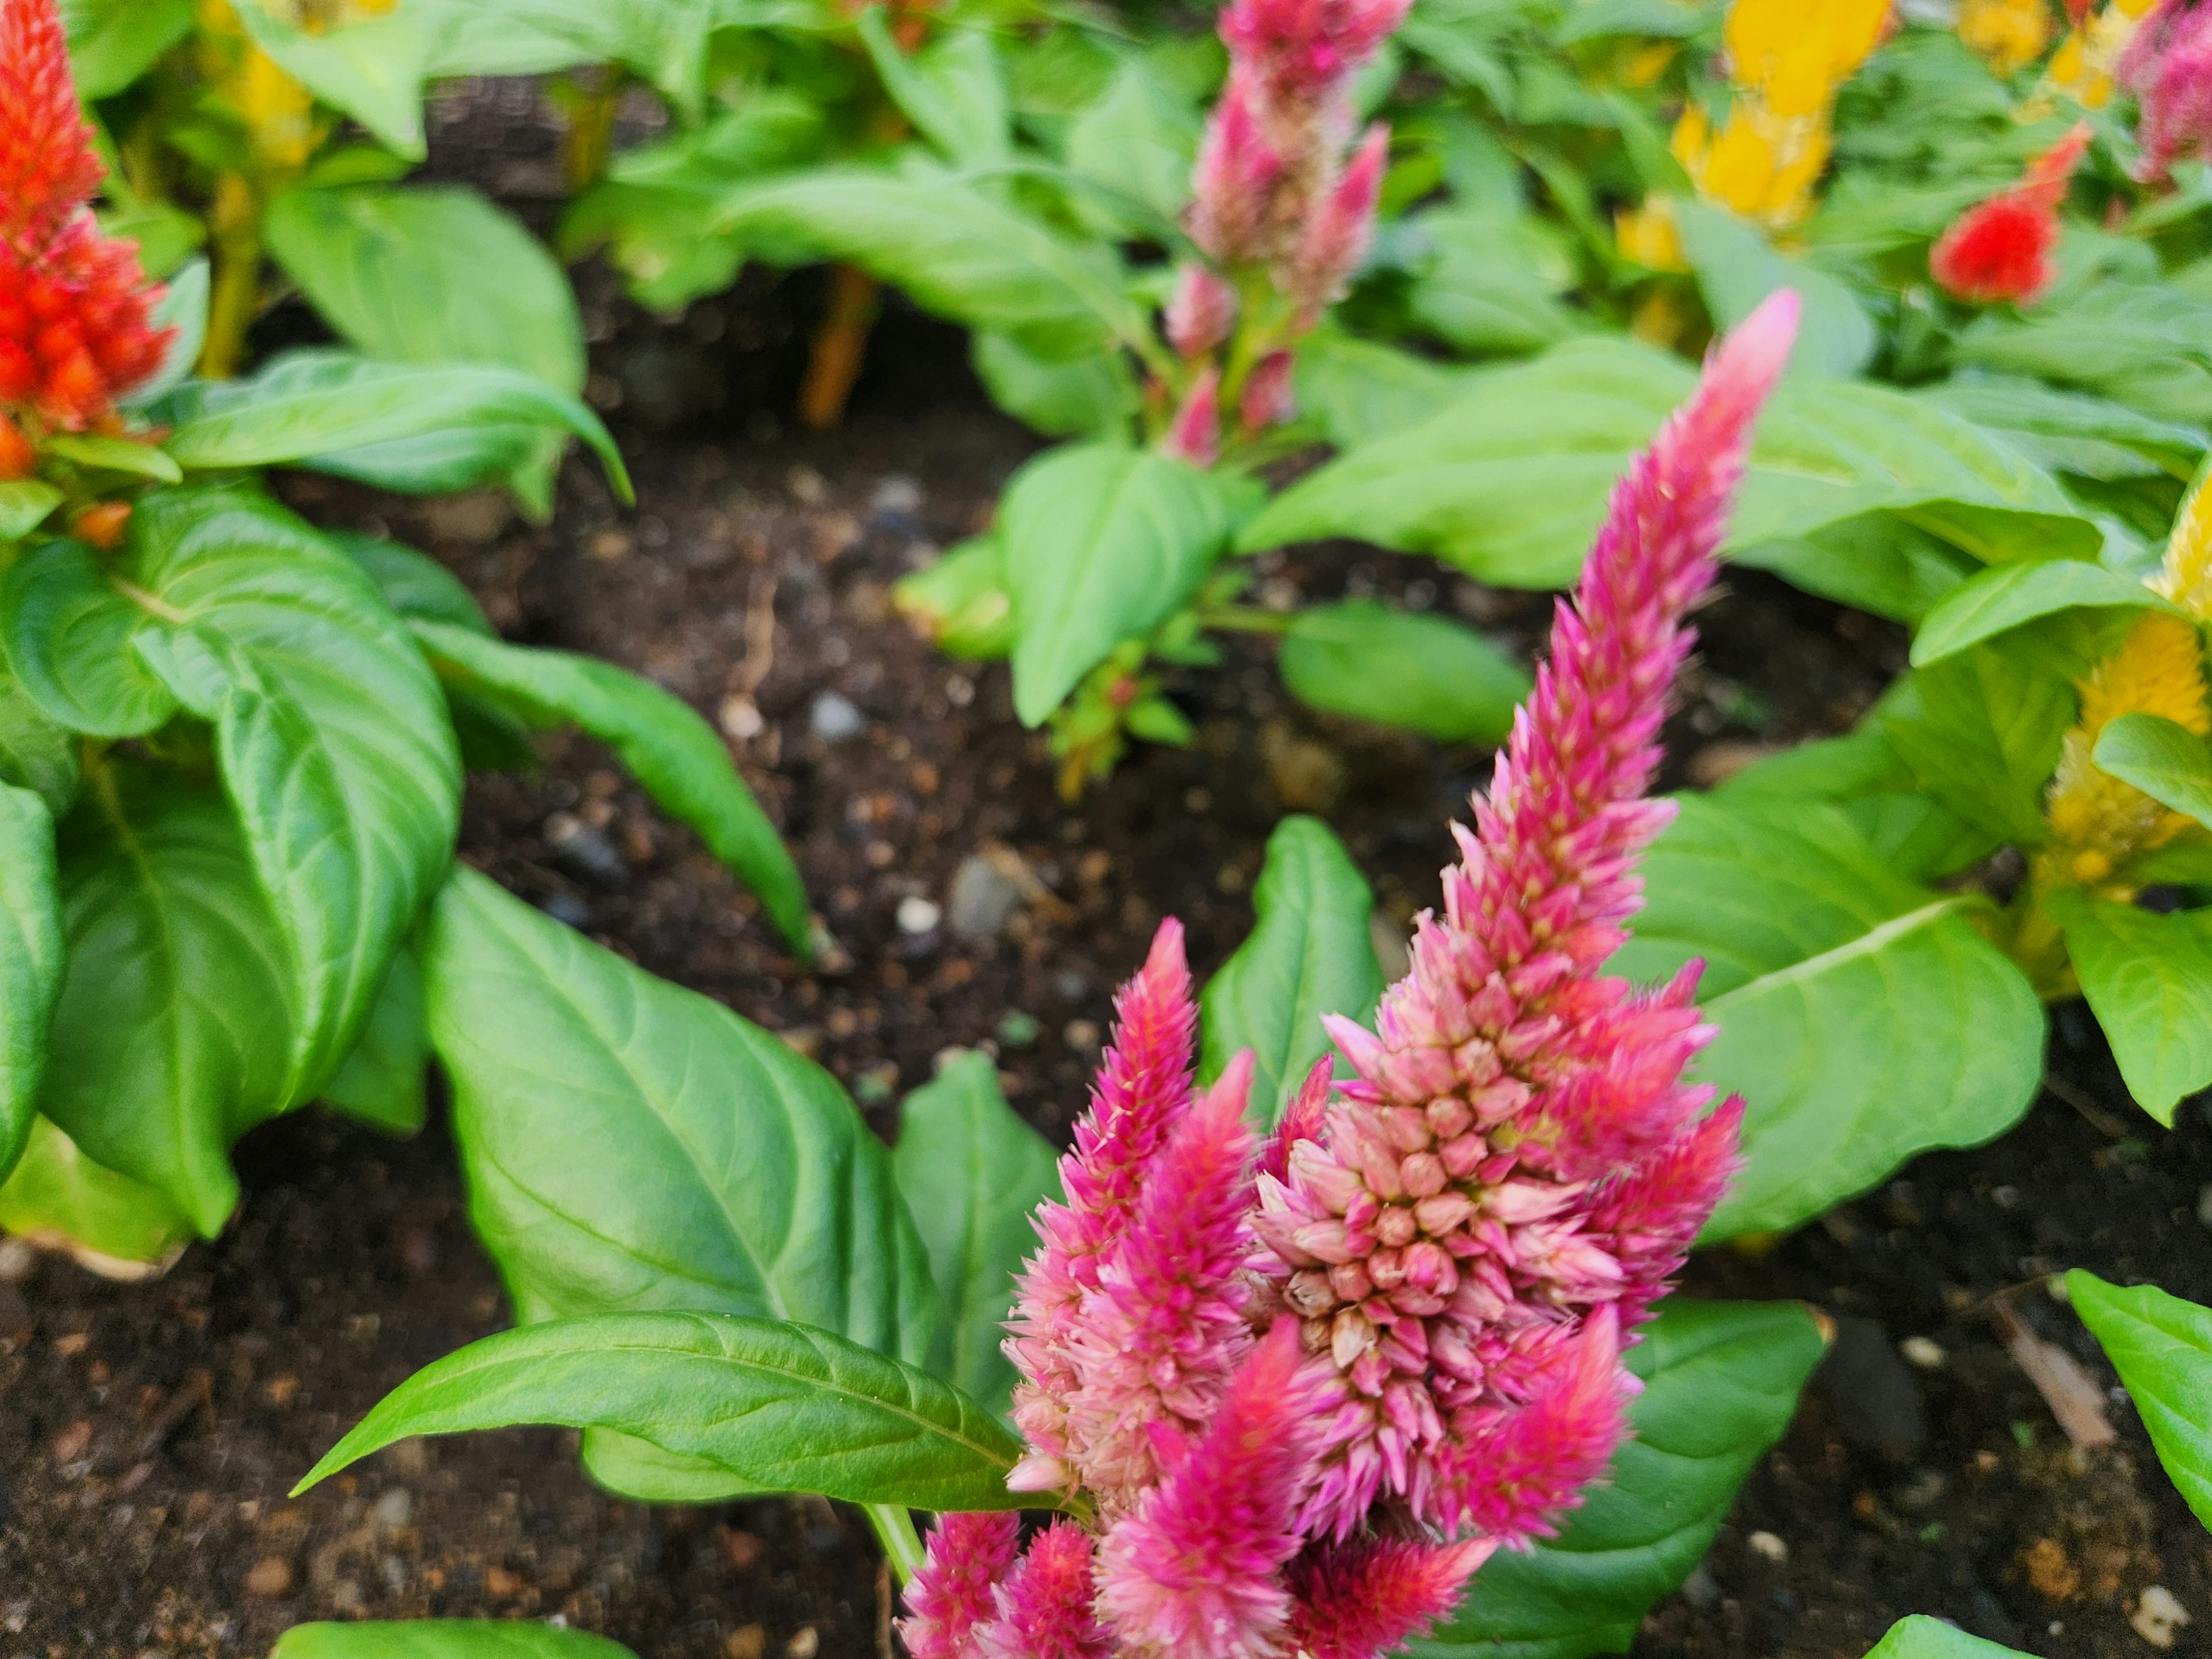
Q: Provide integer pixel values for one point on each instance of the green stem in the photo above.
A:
(235, 298)
(894, 1525)
(1246, 619)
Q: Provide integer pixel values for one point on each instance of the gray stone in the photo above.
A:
(984, 898)
(834, 720)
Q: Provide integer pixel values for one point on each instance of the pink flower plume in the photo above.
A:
(1045, 1608)
(1360, 1601)
(950, 1593)
(2168, 66)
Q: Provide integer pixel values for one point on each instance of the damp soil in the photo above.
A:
(148, 1433)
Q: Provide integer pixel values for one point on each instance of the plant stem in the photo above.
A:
(591, 134)
(894, 1525)
(235, 298)
(1246, 619)
(840, 344)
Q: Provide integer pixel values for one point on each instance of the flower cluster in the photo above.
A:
(2000, 249)
(2081, 69)
(2167, 65)
(1283, 204)
(74, 306)
(2006, 34)
(1293, 1390)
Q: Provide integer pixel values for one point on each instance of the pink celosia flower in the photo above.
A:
(1047, 1608)
(951, 1593)
(1354, 1600)
(1336, 237)
(2168, 66)
(1267, 399)
(1309, 48)
(1194, 435)
(1201, 312)
(1233, 184)
(1437, 1239)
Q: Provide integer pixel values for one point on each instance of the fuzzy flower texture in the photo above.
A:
(1292, 1391)
(2000, 249)
(76, 324)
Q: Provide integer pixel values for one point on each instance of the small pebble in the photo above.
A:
(917, 914)
(2158, 1615)
(895, 492)
(18, 1261)
(394, 1509)
(984, 898)
(1699, 1590)
(1923, 1352)
(747, 1642)
(1080, 1034)
(741, 718)
(805, 1645)
(834, 720)
(584, 850)
(567, 909)
(1767, 1544)
(269, 1578)
(741, 1550)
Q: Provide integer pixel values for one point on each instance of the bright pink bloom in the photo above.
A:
(1233, 185)
(1336, 238)
(1046, 1607)
(2001, 249)
(1267, 399)
(2168, 66)
(1196, 1571)
(1438, 1240)
(1194, 435)
(1301, 1119)
(1142, 1090)
(1201, 312)
(1308, 49)
(950, 1593)
(1356, 1601)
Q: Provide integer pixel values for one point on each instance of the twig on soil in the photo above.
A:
(2091, 1114)
(2073, 1398)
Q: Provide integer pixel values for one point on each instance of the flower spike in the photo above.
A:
(47, 167)
(2167, 65)
(1362, 1601)
(950, 1593)
(1046, 1607)
(2001, 249)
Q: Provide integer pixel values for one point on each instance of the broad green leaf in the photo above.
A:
(322, 409)
(59, 1196)
(112, 42)
(1510, 483)
(1981, 730)
(415, 586)
(958, 251)
(782, 1407)
(1492, 282)
(972, 1174)
(1360, 389)
(2149, 980)
(68, 634)
(24, 504)
(1877, 562)
(631, 1145)
(1923, 1637)
(1310, 953)
(1418, 672)
(1721, 1381)
(91, 449)
(382, 1081)
(953, 89)
(1081, 397)
(1102, 544)
(1865, 777)
(443, 1638)
(1998, 599)
(1737, 268)
(2073, 432)
(35, 753)
(681, 761)
(183, 306)
(1860, 1018)
(434, 274)
(173, 1032)
(2162, 1348)
(2147, 346)
(1139, 140)
(665, 41)
(330, 729)
(960, 602)
(2166, 760)
(373, 68)
(30, 961)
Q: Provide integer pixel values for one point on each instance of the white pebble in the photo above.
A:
(2159, 1613)
(1922, 1352)
(834, 720)
(1767, 1544)
(916, 914)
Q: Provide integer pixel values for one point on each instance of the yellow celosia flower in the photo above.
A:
(1795, 53)
(1649, 236)
(2186, 576)
(2082, 68)
(2008, 35)
(2100, 825)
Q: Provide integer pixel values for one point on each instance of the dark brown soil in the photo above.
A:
(149, 1433)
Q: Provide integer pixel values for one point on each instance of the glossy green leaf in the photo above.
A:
(631, 1145)
(24, 505)
(1102, 544)
(30, 961)
(2146, 346)
(2004, 598)
(1862, 1017)
(1083, 397)
(2149, 980)
(1737, 267)
(1420, 672)
(972, 1174)
(68, 633)
(36, 753)
(2162, 1348)
(415, 586)
(112, 42)
(952, 89)
(782, 1407)
(2072, 432)
(2167, 762)
(323, 409)
(1310, 953)
(680, 759)
(1982, 730)
(1877, 562)
(173, 1031)
(1721, 1383)
(97, 451)
(383, 1081)
(1139, 140)
(1923, 1637)
(1914, 835)
(1510, 483)
(182, 308)
(960, 602)
(443, 1638)
(59, 1196)
(1360, 389)
(1493, 280)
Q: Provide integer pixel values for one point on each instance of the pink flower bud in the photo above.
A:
(1236, 176)
(1336, 238)
(2168, 66)
(1201, 313)
(1195, 435)
(1266, 401)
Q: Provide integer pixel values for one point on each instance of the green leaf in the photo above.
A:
(330, 729)
(681, 761)
(183, 306)
(2162, 1348)
(1982, 730)
(173, 1032)
(1923, 1637)
(1139, 140)
(1863, 776)
(24, 504)
(68, 634)
(961, 603)
(58, 1195)
(1360, 389)
(112, 42)
(631, 1145)
(1493, 280)
(1877, 562)
(2147, 346)
(415, 586)
(1995, 600)
(1102, 544)
(953, 89)
(382, 1081)
(2073, 432)
(1721, 1383)
(782, 1407)
(1310, 953)
(443, 1638)
(30, 961)
(972, 1174)
(1418, 672)
(35, 753)
(1737, 268)
(322, 409)
(115, 455)
(1861, 1018)
(373, 68)
(958, 251)
(2167, 762)
(2149, 980)
(1510, 483)
(1083, 397)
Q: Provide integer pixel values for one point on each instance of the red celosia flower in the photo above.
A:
(2000, 249)
(75, 328)
(1357, 1599)
(18, 460)
(2168, 66)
